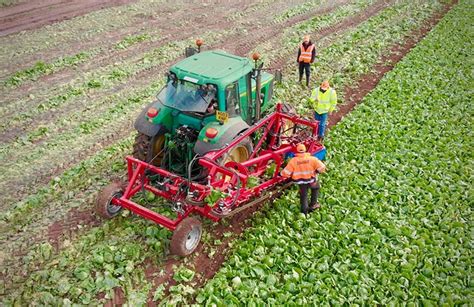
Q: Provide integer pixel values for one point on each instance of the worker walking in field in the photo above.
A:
(323, 100)
(306, 55)
(303, 170)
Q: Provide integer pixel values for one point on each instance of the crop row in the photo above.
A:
(41, 68)
(68, 182)
(395, 223)
(76, 32)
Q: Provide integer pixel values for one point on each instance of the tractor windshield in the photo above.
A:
(187, 96)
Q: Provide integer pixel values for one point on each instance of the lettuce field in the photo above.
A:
(395, 227)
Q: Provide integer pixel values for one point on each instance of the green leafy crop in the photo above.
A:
(396, 222)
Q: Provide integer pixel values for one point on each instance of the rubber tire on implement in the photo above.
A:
(186, 237)
(103, 206)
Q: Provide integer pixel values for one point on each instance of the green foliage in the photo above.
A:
(214, 196)
(395, 224)
(41, 68)
(132, 40)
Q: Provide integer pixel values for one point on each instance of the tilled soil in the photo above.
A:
(33, 14)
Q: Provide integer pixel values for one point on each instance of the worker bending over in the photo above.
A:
(303, 170)
(323, 100)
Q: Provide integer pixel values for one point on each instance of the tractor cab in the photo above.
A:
(208, 99)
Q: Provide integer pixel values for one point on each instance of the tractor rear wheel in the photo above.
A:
(186, 237)
(149, 149)
(104, 206)
(239, 153)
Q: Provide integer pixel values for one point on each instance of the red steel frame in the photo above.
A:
(231, 178)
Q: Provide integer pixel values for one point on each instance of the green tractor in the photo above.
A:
(209, 98)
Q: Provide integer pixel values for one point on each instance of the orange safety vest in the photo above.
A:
(302, 168)
(306, 55)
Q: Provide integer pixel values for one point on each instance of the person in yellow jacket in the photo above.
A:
(323, 100)
(303, 170)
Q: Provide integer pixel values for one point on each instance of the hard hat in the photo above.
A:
(306, 38)
(301, 148)
(324, 85)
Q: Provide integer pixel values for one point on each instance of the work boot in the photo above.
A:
(314, 207)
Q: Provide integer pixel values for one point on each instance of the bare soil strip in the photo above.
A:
(205, 266)
(34, 14)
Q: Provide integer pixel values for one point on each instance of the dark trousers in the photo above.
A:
(304, 189)
(306, 68)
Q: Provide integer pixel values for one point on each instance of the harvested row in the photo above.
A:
(73, 201)
(395, 227)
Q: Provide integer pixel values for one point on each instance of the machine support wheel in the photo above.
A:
(104, 206)
(186, 237)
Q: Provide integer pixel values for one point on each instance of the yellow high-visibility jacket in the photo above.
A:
(323, 102)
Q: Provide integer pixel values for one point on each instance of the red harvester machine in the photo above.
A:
(240, 185)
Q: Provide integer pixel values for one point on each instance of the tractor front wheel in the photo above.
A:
(186, 237)
(104, 206)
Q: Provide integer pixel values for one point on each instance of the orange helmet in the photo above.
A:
(301, 148)
(324, 85)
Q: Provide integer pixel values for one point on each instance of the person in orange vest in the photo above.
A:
(306, 55)
(303, 170)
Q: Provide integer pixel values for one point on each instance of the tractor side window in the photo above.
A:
(232, 99)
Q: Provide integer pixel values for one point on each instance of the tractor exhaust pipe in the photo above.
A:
(258, 81)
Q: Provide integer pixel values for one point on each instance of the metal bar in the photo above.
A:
(137, 171)
(263, 138)
(149, 214)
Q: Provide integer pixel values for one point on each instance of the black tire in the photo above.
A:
(149, 149)
(186, 237)
(104, 206)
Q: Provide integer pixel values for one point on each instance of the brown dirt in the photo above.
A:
(206, 267)
(33, 14)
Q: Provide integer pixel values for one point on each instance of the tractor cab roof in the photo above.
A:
(217, 67)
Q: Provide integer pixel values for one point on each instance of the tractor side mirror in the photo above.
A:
(278, 76)
(190, 51)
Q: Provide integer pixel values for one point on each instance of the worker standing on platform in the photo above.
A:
(303, 170)
(306, 55)
(323, 100)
